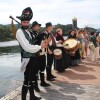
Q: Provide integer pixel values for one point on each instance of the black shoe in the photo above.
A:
(50, 79)
(52, 76)
(37, 98)
(37, 89)
(44, 84)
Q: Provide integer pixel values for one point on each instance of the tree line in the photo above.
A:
(6, 33)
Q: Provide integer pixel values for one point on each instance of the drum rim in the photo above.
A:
(59, 50)
(70, 48)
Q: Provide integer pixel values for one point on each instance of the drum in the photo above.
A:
(57, 53)
(70, 45)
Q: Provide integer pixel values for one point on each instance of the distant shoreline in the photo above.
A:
(9, 43)
(7, 40)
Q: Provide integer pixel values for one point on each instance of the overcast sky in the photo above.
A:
(55, 11)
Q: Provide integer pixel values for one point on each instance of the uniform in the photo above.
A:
(39, 37)
(29, 55)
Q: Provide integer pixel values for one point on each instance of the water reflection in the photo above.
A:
(7, 50)
(10, 62)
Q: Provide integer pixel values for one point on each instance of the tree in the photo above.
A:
(90, 29)
(65, 28)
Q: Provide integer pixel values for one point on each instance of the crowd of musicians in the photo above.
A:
(37, 52)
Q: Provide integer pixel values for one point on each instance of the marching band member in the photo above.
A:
(75, 60)
(65, 61)
(42, 60)
(29, 53)
(52, 44)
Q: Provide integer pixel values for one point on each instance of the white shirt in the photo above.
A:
(55, 41)
(99, 34)
(25, 43)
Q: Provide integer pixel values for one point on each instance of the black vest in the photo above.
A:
(25, 54)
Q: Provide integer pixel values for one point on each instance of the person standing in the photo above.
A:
(79, 38)
(93, 47)
(42, 60)
(65, 61)
(75, 60)
(29, 53)
(83, 44)
(52, 44)
(86, 42)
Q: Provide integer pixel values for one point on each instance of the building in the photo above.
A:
(74, 23)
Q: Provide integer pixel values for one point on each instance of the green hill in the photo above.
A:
(6, 34)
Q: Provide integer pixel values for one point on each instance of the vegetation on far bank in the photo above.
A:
(6, 34)
(12, 49)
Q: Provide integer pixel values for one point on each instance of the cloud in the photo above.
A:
(60, 11)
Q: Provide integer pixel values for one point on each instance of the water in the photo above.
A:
(10, 75)
(8, 43)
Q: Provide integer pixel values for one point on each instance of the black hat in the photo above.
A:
(48, 24)
(35, 23)
(27, 14)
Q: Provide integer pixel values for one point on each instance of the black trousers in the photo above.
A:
(30, 77)
(42, 63)
(59, 64)
(49, 65)
(42, 67)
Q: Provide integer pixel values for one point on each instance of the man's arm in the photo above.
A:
(25, 43)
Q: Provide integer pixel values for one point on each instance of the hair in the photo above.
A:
(58, 30)
(48, 24)
(70, 32)
(92, 33)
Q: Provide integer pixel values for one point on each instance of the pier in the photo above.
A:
(77, 83)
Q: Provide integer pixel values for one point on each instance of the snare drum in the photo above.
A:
(57, 53)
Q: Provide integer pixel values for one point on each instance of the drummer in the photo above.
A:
(75, 60)
(64, 62)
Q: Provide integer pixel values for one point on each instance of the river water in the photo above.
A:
(10, 75)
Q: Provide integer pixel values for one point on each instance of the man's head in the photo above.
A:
(25, 24)
(25, 18)
(49, 26)
(59, 31)
(71, 32)
(36, 26)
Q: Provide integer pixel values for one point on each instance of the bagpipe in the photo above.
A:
(38, 39)
(13, 28)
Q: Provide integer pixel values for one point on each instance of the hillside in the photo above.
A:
(6, 34)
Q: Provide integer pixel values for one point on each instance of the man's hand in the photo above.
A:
(50, 52)
(60, 41)
(43, 45)
(47, 41)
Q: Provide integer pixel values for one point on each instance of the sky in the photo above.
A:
(87, 12)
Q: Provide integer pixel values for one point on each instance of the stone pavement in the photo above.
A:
(78, 83)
